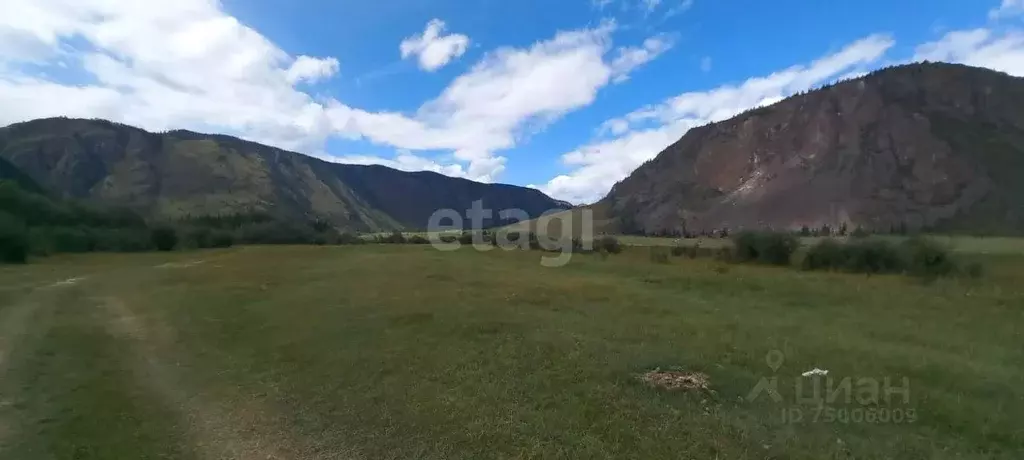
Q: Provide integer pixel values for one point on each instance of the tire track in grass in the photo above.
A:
(18, 323)
(14, 324)
(243, 431)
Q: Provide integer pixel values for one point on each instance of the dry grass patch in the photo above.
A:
(676, 380)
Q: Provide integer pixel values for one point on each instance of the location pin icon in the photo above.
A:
(774, 359)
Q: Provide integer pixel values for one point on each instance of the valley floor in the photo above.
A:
(401, 352)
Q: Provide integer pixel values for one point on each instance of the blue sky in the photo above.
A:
(568, 96)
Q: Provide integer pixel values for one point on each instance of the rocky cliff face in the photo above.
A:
(924, 145)
(186, 173)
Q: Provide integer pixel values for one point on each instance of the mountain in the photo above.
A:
(10, 172)
(181, 173)
(934, 146)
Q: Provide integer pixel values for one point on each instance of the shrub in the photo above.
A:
(690, 252)
(725, 254)
(746, 246)
(121, 240)
(68, 239)
(873, 256)
(658, 255)
(466, 238)
(827, 254)
(449, 239)
(418, 239)
(774, 248)
(164, 238)
(917, 256)
(608, 244)
(14, 241)
(198, 237)
(927, 258)
(396, 237)
(275, 232)
(221, 239)
(349, 238)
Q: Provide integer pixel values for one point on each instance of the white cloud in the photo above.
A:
(434, 49)
(677, 6)
(615, 126)
(599, 165)
(681, 7)
(650, 5)
(600, 4)
(509, 92)
(404, 161)
(630, 58)
(1007, 8)
(979, 48)
(185, 64)
(311, 69)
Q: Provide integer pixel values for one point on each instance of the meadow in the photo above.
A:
(404, 351)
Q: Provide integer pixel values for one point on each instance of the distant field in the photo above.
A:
(380, 351)
(963, 244)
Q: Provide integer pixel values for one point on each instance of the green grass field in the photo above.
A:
(960, 244)
(402, 352)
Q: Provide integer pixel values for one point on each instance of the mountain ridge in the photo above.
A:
(181, 172)
(926, 146)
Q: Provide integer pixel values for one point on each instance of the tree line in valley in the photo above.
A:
(34, 223)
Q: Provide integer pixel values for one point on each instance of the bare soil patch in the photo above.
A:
(676, 380)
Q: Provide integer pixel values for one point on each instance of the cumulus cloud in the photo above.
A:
(979, 48)
(432, 48)
(183, 65)
(1007, 8)
(311, 69)
(507, 93)
(642, 134)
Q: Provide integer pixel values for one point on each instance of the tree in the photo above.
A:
(13, 240)
(164, 238)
